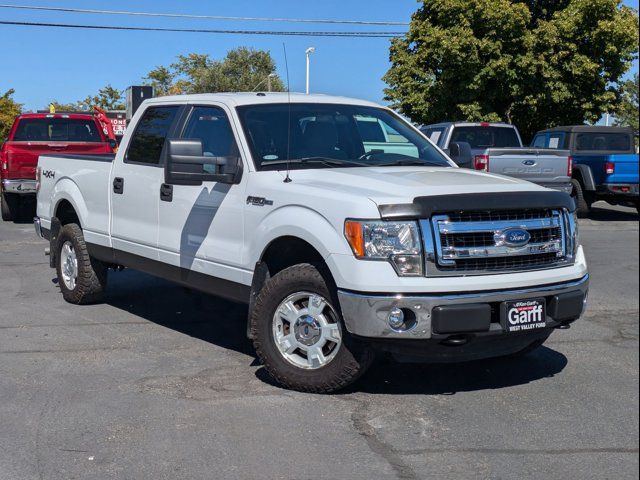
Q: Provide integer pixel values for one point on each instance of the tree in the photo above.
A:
(108, 98)
(533, 63)
(9, 109)
(243, 69)
(626, 114)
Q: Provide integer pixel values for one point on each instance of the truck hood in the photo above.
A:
(385, 185)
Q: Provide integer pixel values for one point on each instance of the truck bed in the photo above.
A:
(79, 180)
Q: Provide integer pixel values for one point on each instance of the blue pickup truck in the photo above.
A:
(605, 163)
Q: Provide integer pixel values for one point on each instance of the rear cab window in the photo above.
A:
(148, 139)
(597, 141)
(57, 129)
(480, 137)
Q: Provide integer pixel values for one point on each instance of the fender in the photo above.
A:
(296, 221)
(587, 176)
(66, 189)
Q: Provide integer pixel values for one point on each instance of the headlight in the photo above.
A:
(397, 242)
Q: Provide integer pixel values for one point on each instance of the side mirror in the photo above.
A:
(187, 165)
(460, 153)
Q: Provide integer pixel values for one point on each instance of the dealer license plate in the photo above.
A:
(523, 315)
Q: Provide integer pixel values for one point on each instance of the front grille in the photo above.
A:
(479, 242)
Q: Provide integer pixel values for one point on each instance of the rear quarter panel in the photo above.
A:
(85, 185)
(626, 167)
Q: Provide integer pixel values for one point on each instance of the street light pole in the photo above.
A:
(308, 52)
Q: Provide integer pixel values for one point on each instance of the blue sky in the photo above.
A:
(44, 64)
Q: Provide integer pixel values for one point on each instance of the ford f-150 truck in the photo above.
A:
(497, 148)
(605, 163)
(34, 134)
(338, 250)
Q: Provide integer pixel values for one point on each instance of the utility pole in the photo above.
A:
(308, 52)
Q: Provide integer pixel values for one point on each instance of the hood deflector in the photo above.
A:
(425, 207)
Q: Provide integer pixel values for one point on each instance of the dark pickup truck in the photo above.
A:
(605, 163)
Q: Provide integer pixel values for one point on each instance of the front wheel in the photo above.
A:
(82, 280)
(299, 335)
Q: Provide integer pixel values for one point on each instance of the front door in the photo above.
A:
(135, 184)
(201, 227)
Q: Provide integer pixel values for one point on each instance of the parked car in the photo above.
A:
(338, 250)
(497, 148)
(35, 134)
(605, 163)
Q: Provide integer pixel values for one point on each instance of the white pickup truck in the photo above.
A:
(339, 247)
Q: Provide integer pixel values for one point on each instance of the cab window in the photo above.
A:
(151, 132)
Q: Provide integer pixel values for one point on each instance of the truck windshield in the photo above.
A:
(57, 130)
(486, 137)
(316, 135)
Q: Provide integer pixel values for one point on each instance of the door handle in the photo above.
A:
(166, 192)
(118, 185)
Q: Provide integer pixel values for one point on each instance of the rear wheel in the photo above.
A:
(82, 280)
(9, 206)
(583, 199)
(299, 336)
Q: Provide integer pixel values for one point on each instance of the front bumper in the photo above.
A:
(20, 186)
(366, 315)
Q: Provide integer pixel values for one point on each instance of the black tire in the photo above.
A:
(349, 363)
(91, 279)
(9, 206)
(582, 199)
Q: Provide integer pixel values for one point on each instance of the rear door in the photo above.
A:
(136, 180)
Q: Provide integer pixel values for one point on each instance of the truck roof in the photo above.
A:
(76, 116)
(259, 98)
(470, 124)
(588, 128)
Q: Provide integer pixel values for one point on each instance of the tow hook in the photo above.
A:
(455, 341)
(564, 326)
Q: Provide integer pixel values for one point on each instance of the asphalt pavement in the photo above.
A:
(159, 382)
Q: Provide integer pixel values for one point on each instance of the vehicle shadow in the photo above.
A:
(604, 212)
(205, 317)
(223, 323)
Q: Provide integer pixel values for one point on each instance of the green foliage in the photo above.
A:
(532, 63)
(9, 108)
(242, 70)
(627, 111)
(108, 98)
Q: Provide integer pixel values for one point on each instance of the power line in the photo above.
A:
(204, 30)
(201, 17)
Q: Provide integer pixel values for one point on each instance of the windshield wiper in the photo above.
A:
(411, 163)
(332, 162)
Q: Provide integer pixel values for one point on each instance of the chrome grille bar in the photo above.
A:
(473, 243)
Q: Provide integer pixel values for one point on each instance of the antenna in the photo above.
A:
(287, 179)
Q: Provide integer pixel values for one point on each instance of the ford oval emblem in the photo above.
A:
(529, 163)
(515, 237)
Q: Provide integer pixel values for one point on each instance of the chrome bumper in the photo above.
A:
(22, 187)
(38, 226)
(366, 315)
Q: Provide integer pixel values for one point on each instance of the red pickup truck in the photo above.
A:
(35, 134)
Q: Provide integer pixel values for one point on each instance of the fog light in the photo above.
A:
(396, 318)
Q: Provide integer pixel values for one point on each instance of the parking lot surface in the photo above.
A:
(160, 382)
